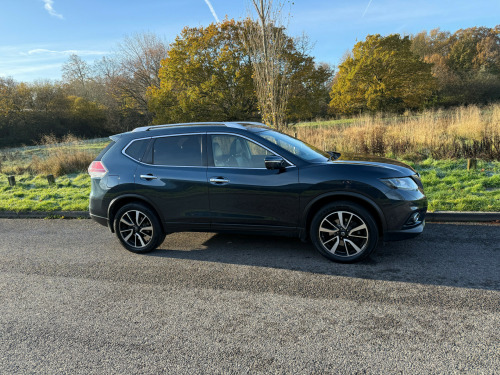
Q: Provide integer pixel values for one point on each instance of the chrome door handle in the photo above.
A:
(219, 180)
(148, 177)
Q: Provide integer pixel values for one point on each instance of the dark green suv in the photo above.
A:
(247, 178)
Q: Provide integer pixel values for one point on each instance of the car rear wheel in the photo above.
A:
(138, 228)
(344, 232)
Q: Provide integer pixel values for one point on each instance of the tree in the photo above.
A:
(207, 76)
(310, 84)
(466, 64)
(381, 74)
(475, 48)
(267, 45)
(426, 44)
(139, 60)
(77, 74)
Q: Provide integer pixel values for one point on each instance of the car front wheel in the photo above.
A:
(344, 232)
(138, 228)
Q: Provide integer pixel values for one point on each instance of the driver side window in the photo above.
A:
(238, 152)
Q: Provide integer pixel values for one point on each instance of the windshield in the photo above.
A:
(294, 146)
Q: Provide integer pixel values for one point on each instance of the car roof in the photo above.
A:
(238, 124)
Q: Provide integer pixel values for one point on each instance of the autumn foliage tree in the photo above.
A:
(466, 64)
(381, 74)
(207, 76)
(208, 73)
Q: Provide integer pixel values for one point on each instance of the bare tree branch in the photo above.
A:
(266, 42)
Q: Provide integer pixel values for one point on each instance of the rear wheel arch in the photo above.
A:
(321, 201)
(121, 201)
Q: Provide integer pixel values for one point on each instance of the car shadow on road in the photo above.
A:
(445, 254)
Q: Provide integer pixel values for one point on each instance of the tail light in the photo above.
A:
(97, 169)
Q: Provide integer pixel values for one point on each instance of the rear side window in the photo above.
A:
(104, 150)
(137, 148)
(179, 151)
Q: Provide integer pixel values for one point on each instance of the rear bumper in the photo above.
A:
(99, 219)
(404, 234)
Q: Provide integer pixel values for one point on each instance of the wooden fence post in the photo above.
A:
(471, 164)
(12, 180)
(51, 180)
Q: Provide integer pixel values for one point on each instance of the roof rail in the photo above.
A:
(230, 123)
(249, 123)
(153, 127)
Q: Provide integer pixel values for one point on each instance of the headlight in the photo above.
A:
(403, 183)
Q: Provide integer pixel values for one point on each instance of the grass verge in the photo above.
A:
(33, 193)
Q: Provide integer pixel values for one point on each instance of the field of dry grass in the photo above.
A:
(463, 132)
(52, 156)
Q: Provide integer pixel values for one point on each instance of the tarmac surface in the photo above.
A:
(74, 301)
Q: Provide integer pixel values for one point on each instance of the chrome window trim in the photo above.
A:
(253, 141)
(201, 166)
(128, 145)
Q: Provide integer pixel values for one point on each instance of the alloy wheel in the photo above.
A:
(136, 229)
(343, 233)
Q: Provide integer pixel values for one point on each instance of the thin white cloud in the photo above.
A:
(212, 10)
(42, 51)
(366, 9)
(13, 71)
(49, 8)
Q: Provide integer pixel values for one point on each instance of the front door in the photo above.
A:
(243, 193)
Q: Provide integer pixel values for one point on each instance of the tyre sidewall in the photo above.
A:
(158, 235)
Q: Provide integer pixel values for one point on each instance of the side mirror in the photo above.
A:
(275, 162)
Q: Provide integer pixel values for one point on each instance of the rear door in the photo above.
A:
(173, 176)
(243, 193)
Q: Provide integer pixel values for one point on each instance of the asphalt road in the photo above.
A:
(74, 301)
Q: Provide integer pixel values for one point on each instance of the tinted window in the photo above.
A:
(182, 150)
(137, 148)
(233, 151)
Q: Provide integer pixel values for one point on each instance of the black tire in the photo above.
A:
(138, 228)
(351, 241)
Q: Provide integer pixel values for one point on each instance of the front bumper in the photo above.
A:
(404, 234)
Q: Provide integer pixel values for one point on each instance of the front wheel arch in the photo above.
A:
(319, 202)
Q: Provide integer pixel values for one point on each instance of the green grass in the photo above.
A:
(33, 193)
(450, 187)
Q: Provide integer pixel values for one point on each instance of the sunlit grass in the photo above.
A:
(449, 186)
(456, 133)
(33, 193)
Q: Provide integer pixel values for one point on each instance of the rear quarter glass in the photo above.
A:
(137, 148)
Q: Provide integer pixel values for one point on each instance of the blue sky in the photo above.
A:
(37, 36)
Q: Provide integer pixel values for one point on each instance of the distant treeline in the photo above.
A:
(206, 75)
